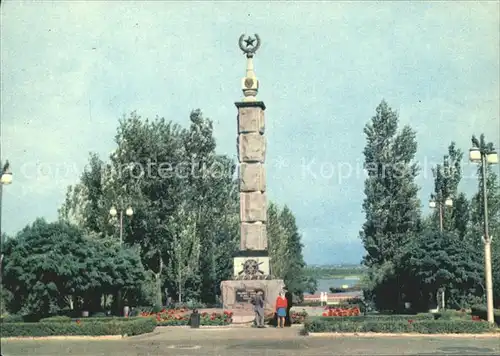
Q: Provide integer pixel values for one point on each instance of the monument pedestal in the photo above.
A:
(236, 295)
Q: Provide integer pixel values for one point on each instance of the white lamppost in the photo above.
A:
(129, 212)
(485, 156)
(5, 179)
(435, 202)
(113, 212)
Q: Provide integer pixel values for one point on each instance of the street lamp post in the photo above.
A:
(5, 179)
(438, 202)
(485, 156)
(113, 212)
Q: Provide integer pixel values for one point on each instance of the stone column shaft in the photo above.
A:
(252, 176)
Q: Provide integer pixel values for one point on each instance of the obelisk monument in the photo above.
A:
(251, 264)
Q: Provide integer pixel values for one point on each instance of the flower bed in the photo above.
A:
(341, 311)
(396, 324)
(297, 317)
(179, 317)
(87, 327)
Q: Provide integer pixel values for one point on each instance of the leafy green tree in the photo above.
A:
(50, 265)
(391, 205)
(447, 176)
(277, 241)
(461, 215)
(157, 167)
(442, 260)
(285, 251)
(311, 285)
(186, 246)
(295, 277)
(225, 231)
(209, 194)
(84, 203)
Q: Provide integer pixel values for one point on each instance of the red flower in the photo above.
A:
(78, 321)
(410, 321)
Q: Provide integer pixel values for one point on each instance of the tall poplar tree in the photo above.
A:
(285, 250)
(391, 205)
(447, 177)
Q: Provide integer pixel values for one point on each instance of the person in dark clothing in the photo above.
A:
(258, 306)
(289, 299)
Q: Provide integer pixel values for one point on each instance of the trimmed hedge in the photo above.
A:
(422, 326)
(185, 321)
(452, 315)
(12, 318)
(89, 327)
(66, 319)
(378, 317)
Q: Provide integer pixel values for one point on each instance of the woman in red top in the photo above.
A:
(281, 305)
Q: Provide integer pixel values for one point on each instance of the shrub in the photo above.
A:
(481, 312)
(191, 304)
(157, 308)
(55, 318)
(381, 317)
(63, 319)
(136, 311)
(451, 327)
(12, 318)
(422, 326)
(99, 315)
(452, 315)
(89, 327)
(298, 317)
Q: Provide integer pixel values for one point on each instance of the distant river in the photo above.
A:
(325, 284)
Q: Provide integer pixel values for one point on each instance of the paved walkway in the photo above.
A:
(252, 342)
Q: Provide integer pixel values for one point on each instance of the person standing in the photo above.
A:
(281, 306)
(258, 306)
(289, 304)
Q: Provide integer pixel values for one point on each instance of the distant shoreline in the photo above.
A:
(350, 272)
(341, 276)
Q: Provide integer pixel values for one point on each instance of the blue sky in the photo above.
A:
(70, 70)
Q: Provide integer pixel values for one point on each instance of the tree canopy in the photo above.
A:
(391, 205)
(185, 201)
(48, 266)
(410, 261)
